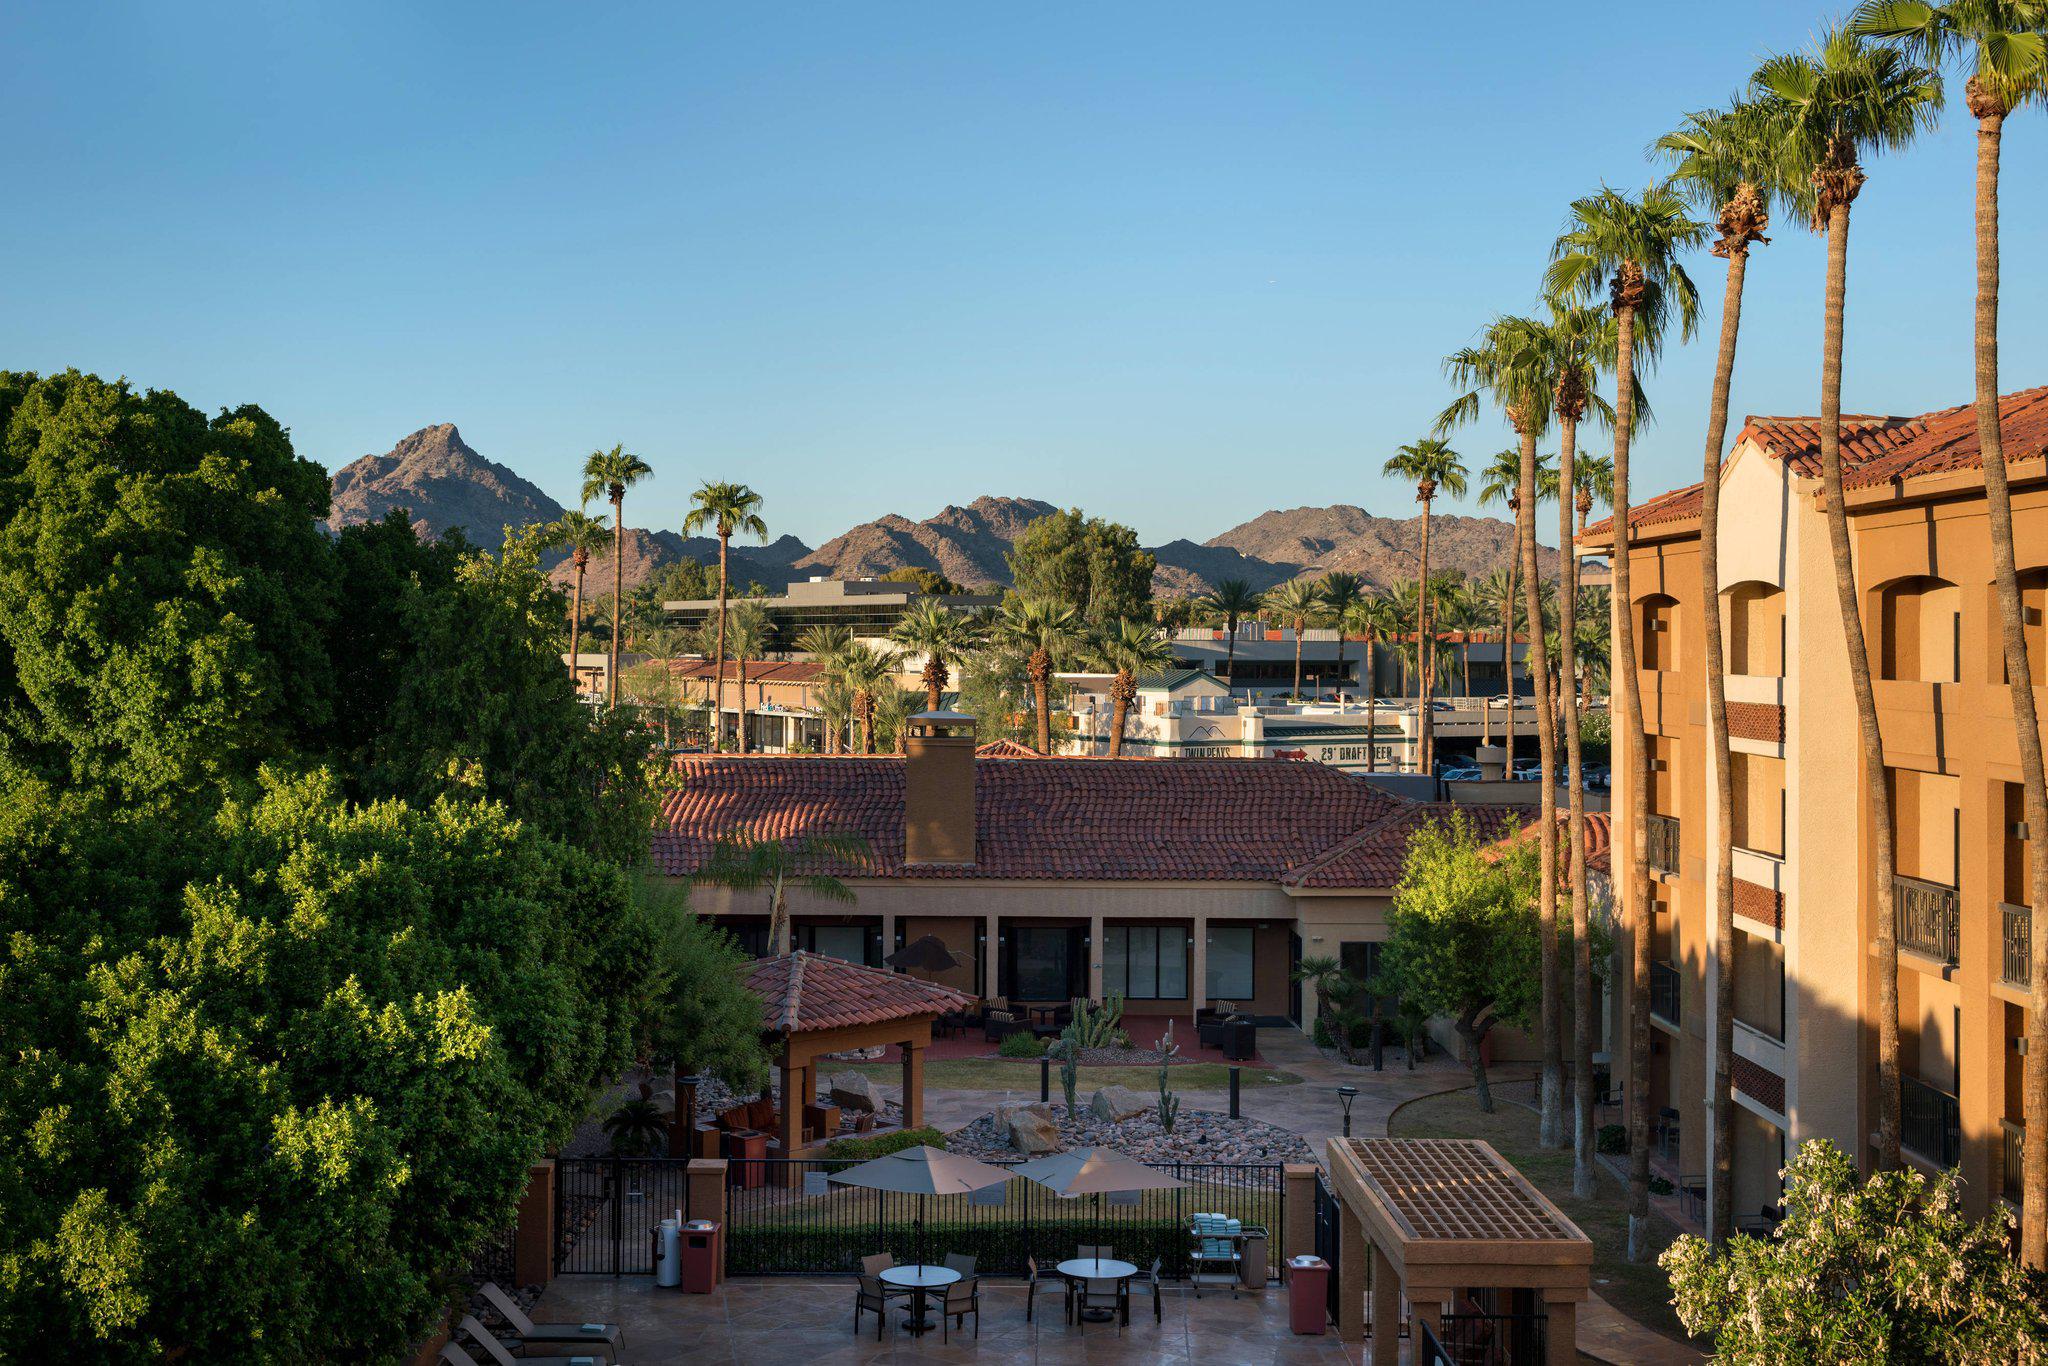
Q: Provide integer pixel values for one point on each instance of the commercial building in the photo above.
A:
(1806, 984)
(1260, 662)
(870, 608)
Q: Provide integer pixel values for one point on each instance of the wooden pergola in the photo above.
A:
(1441, 1218)
(813, 1005)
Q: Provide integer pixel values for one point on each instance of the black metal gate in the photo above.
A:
(607, 1210)
(1330, 1240)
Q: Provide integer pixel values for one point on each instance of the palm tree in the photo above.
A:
(866, 671)
(1299, 602)
(1128, 649)
(749, 630)
(610, 473)
(726, 509)
(1727, 163)
(1496, 592)
(1434, 467)
(1046, 633)
(1510, 368)
(1833, 103)
(745, 864)
(825, 643)
(1233, 600)
(1630, 248)
(1465, 615)
(1374, 618)
(1501, 482)
(944, 637)
(1341, 592)
(2001, 40)
(583, 535)
(1594, 481)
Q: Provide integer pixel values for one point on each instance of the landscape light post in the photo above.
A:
(1345, 1095)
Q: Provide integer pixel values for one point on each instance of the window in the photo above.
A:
(1145, 962)
(1920, 622)
(1657, 642)
(1756, 630)
(1230, 963)
(840, 941)
(1362, 961)
(1041, 962)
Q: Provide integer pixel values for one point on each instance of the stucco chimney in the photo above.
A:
(938, 789)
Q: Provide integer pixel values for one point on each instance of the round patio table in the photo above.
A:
(1097, 1269)
(917, 1279)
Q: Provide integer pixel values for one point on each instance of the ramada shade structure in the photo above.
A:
(813, 1005)
(1441, 1217)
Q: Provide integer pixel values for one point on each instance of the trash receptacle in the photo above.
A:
(1251, 1259)
(703, 1247)
(1308, 1294)
(668, 1266)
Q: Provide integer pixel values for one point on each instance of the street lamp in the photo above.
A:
(1345, 1095)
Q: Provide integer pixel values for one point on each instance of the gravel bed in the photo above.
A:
(1198, 1136)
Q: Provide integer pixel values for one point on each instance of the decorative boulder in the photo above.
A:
(852, 1091)
(1006, 1113)
(1119, 1103)
(1032, 1132)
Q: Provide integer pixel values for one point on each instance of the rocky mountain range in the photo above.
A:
(443, 483)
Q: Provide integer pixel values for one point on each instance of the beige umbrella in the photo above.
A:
(1093, 1171)
(922, 1171)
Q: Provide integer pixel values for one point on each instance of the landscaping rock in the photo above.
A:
(852, 1091)
(1030, 1132)
(1005, 1113)
(1199, 1136)
(1119, 1103)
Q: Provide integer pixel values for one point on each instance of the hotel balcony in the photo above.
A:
(1660, 845)
(2016, 945)
(1930, 1123)
(1664, 993)
(1929, 917)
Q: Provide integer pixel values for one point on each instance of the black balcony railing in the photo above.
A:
(2016, 945)
(1929, 915)
(1660, 844)
(1930, 1122)
(1664, 991)
(2011, 1138)
(1477, 1338)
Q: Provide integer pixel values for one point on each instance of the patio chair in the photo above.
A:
(963, 1297)
(1031, 1290)
(875, 1266)
(871, 1297)
(1152, 1280)
(494, 1349)
(1101, 1253)
(605, 1337)
(962, 1263)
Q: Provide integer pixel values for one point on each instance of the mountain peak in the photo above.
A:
(441, 483)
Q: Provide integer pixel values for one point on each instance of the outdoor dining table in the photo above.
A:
(917, 1279)
(1097, 1269)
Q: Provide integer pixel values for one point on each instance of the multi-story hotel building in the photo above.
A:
(1804, 963)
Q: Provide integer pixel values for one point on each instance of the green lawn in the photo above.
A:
(1640, 1292)
(1021, 1075)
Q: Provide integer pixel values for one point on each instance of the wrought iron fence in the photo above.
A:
(2016, 942)
(1930, 1122)
(1330, 1242)
(607, 1210)
(1428, 1350)
(1660, 843)
(1490, 1340)
(1928, 915)
(1664, 991)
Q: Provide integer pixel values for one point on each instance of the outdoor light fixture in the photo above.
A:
(1345, 1095)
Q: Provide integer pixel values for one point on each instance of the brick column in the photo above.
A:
(1561, 1334)
(1298, 1187)
(1352, 1250)
(533, 1243)
(1386, 1311)
(705, 1178)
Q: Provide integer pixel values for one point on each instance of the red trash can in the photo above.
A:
(1308, 1293)
(702, 1250)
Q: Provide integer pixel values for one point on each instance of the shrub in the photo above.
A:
(1021, 1046)
(1613, 1138)
(861, 1149)
(1660, 1186)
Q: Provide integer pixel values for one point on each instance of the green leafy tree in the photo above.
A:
(1091, 565)
(1462, 938)
(1862, 1273)
(925, 581)
(608, 474)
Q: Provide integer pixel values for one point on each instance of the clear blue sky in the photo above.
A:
(1174, 263)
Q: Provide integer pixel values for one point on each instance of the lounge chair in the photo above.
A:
(488, 1343)
(603, 1338)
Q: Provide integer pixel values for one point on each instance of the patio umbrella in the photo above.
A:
(1093, 1171)
(927, 952)
(922, 1171)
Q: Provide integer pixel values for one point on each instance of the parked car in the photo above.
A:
(1597, 779)
(1463, 773)
(1529, 773)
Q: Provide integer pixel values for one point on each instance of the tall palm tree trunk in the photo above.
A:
(1582, 934)
(1642, 921)
(1120, 691)
(1550, 1129)
(1721, 890)
(1230, 653)
(582, 559)
(1372, 713)
(1507, 667)
(718, 655)
(2020, 676)
(1425, 645)
(1298, 625)
(1877, 788)
(1040, 669)
(743, 704)
(611, 676)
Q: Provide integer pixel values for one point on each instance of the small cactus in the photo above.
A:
(1169, 1103)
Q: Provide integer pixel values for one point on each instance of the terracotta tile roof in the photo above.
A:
(1875, 449)
(1006, 749)
(1231, 820)
(758, 670)
(1599, 841)
(1372, 857)
(1757, 721)
(804, 992)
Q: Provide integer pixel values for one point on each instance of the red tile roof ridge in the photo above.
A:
(806, 992)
